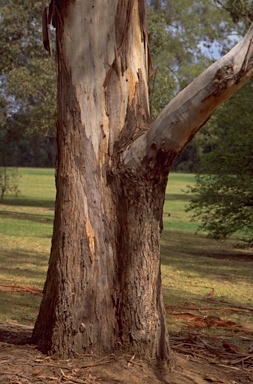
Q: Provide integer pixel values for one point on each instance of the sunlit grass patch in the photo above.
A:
(174, 215)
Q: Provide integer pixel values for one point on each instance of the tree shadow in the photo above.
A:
(178, 197)
(195, 254)
(11, 335)
(19, 202)
(38, 218)
(24, 263)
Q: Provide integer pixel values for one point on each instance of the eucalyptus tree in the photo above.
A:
(103, 291)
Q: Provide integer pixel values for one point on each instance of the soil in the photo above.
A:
(23, 363)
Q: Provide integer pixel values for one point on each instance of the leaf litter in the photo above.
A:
(195, 361)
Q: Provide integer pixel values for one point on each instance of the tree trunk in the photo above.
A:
(103, 290)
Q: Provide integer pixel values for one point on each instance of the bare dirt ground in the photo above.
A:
(194, 362)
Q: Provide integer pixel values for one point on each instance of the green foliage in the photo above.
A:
(240, 10)
(27, 84)
(183, 38)
(224, 190)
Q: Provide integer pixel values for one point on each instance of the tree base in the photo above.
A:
(103, 369)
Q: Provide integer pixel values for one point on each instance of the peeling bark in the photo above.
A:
(103, 289)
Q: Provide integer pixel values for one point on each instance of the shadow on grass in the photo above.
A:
(26, 216)
(20, 269)
(198, 256)
(19, 202)
(24, 265)
(194, 266)
(178, 197)
(19, 308)
(15, 337)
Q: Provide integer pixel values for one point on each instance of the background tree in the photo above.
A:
(8, 176)
(186, 37)
(103, 288)
(223, 191)
(240, 10)
(223, 187)
(27, 86)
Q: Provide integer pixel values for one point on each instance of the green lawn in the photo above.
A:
(174, 216)
(25, 228)
(191, 264)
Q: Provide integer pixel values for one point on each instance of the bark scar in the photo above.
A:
(222, 80)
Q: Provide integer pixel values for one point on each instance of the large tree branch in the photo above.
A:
(192, 107)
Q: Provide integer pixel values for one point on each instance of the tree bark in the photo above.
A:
(103, 290)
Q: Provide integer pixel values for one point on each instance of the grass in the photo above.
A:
(25, 229)
(191, 264)
(174, 215)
